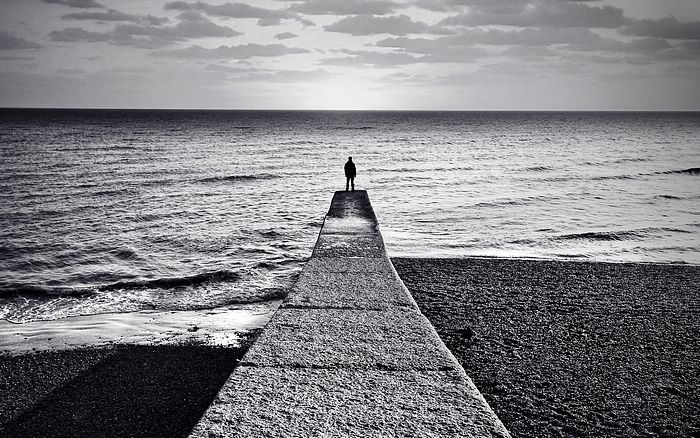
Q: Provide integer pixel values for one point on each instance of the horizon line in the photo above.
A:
(354, 110)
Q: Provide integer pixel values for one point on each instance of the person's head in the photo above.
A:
(349, 158)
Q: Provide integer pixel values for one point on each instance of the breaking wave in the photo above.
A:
(37, 291)
(237, 178)
(619, 235)
(172, 282)
(689, 171)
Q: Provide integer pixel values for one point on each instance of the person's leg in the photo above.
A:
(352, 181)
(347, 183)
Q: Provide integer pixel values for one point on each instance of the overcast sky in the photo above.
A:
(345, 54)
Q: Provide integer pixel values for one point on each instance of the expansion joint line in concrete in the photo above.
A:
(447, 369)
(348, 353)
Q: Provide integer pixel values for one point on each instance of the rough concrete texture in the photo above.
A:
(349, 354)
(362, 265)
(349, 245)
(386, 340)
(355, 290)
(306, 402)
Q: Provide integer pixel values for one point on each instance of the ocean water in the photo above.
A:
(108, 211)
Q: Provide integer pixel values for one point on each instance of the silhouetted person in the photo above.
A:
(350, 173)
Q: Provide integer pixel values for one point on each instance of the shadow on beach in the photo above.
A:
(118, 391)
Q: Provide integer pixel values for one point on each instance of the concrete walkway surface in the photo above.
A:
(349, 354)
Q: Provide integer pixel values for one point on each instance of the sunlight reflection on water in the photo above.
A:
(120, 211)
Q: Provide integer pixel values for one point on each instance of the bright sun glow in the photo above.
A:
(352, 93)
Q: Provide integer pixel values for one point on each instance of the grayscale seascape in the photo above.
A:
(349, 218)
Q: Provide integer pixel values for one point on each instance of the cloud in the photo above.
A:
(285, 36)
(689, 71)
(76, 3)
(469, 44)
(222, 68)
(75, 34)
(529, 52)
(685, 51)
(436, 5)
(536, 37)
(538, 13)
(456, 54)
(345, 7)
(16, 58)
(243, 51)
(9, 42)
(371, 25)
(645, 45)
(370, 58)
(692, 47)
(668, 27)
(70, 71)
(114, 15)
(495, 37)
(266, 17)
(287, 76)
(191, 25)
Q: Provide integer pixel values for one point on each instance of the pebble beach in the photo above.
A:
(557, 348)
(570, 348)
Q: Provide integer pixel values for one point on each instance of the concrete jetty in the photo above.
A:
(349, 354)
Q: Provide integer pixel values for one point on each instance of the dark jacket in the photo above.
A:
(350, 170)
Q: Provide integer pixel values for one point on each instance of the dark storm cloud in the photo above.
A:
(345, 7)
(371, 25)
(243, 51)
(370, 59)
(114, 15)
(266, 17)
(76, 3)
(542, 13)
(10, 42)
(190, 25)
(285, 36)
(668, 27)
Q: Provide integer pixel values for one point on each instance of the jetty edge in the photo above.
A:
(348, 353)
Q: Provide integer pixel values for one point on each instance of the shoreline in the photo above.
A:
(570, 348)
(221, 326)
(558, 348)
(562, 259)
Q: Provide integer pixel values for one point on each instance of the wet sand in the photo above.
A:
(113, 391)
(570, 348)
